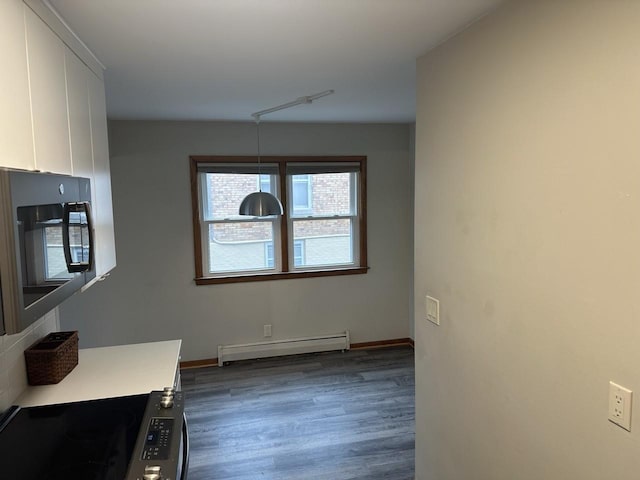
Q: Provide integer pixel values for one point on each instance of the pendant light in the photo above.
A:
(264, 204)
(260, 204)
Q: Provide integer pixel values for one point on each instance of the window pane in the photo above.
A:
(270, 260)
(225, 191)
(265, 183)
(55, 263)
(323, 242)
(322, 194)
(240, 246)
(298, 253)
(301, 187)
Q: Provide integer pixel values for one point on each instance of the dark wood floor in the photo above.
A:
(327, 416)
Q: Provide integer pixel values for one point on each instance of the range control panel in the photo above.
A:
(158, 454)
(158, 443)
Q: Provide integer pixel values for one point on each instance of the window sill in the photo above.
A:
(280, 276)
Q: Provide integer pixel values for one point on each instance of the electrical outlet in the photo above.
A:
(433, 310)
(267, 330)
(620, 405)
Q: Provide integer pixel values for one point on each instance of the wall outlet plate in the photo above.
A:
(433, 310)
(620, 405)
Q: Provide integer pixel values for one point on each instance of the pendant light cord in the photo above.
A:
(258, 135)
(297, 101)
(248, 205)
(264, 204)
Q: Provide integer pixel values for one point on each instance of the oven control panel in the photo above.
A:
(157, 454)
(158, 443)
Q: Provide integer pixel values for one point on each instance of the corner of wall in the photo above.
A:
(13, 373)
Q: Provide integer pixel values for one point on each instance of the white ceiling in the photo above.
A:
(224, 59)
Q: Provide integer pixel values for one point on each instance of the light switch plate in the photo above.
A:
(433, 310)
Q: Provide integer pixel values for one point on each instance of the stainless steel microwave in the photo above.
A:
(46, 244)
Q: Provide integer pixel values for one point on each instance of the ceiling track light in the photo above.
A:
(264, 204)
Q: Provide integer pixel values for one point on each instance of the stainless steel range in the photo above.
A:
(162, 449)
(140, 437)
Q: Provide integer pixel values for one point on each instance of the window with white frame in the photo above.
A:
(322, 230)
(231, 243)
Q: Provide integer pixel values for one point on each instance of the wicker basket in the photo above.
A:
(51, 358)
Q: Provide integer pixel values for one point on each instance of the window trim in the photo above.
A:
(287, 272)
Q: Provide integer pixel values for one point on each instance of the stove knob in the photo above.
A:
(166, 401)
(152, 472)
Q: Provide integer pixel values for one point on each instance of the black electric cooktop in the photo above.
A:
(90, 440)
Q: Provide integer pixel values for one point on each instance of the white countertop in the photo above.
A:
(111, 372)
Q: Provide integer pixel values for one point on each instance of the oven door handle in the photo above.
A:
(185, 448)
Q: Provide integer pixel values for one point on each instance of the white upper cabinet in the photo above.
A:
(103, 211)
(47, 81)
(90, 152)
(79, 115)
(53, 114)
(16, 139)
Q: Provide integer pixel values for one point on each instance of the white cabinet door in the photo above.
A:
(16, 139)
(45, 52)
(77, 75)
(103, 211)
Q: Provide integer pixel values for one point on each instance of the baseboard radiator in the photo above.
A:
(276, 348)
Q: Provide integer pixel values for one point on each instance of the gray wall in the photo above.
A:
(528, 231)
(151, 294)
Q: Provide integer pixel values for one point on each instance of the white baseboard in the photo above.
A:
(275, 348)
